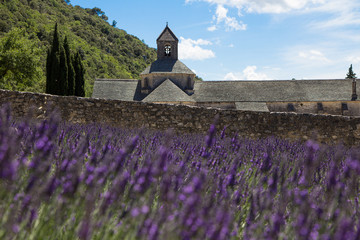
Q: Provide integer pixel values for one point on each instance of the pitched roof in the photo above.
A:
(167, 66)
(241, 92)
(168, 92)
(119, 89)
(167, 35)
(269, 91)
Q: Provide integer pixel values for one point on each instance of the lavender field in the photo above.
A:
(64, 181)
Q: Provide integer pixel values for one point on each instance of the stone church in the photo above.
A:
(168, 80)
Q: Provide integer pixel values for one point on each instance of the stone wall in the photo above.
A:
(346, 108)
(327, 128)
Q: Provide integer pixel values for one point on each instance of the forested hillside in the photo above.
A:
(26, 30)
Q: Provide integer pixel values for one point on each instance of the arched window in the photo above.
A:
(167, 50)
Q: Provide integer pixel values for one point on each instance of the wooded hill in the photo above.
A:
(106, 51)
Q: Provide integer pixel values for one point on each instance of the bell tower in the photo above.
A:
(167, 45)
(167, 66)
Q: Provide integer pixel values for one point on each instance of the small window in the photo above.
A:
(167, 50)
(290, 107)
(189, 85)
(344, 106)
(146, 83)
(320, 107)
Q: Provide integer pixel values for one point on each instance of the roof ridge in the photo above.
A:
(171, 33)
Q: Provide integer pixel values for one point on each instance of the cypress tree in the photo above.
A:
(79, 76)
(53, 65)
(70, 68)
(350, 74)
(48, 72)
(63, 74)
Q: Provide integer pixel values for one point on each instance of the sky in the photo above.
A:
(249, 39)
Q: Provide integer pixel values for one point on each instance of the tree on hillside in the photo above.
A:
(53, 65)
(350, 74)
(79, 76)
(63, 75)
(110, 52)
(20, 66)
(60, 72)
(70, 68)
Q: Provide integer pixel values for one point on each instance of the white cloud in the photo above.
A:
(212, 28)
(230, 22)
(191, 49)
(313, 55)
(340, 12)
(353, 59)
(249, 73)
(265, 6)
(232, 76)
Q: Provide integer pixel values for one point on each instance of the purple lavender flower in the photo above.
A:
(84, 231)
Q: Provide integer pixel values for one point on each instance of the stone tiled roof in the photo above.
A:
(167, 66)
(233, 91)
(168, 92)
(118, 89)
(268, 91)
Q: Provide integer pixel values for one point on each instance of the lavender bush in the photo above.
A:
(64, 181)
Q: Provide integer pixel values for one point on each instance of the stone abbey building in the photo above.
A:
(168, 80)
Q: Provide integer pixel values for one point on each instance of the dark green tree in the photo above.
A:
(53, 65)
(70, 68)
(20, 66)
(63, 73)
(60, 74)
(350, 74)
(79, 76)
(48, 71)
(114, 23)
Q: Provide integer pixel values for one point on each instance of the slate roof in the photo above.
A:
(118, 89)
(231, 91)
(167, 91)
(273, 91)
(167, 66)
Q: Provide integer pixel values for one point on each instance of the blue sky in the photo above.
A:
(249, 39)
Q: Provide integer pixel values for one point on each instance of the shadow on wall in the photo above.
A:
(345, 108)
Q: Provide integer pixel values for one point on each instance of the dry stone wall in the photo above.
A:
(326, 128)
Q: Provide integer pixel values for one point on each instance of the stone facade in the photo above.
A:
(167, 66)
(168, 80)
(128, 114)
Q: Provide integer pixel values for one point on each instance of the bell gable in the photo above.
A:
(167, 45)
